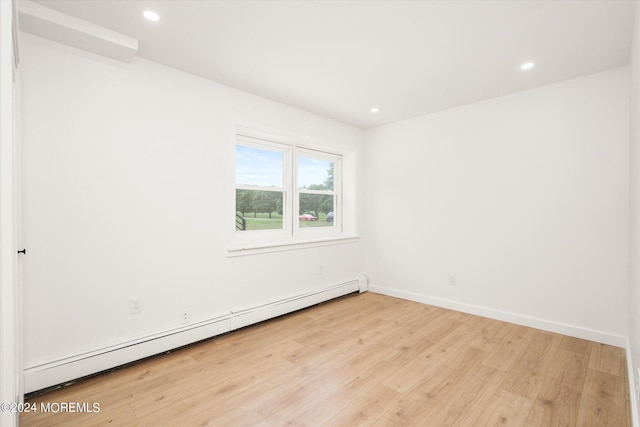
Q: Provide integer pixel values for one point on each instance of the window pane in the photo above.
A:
(258, 210)
(316, 210)
(255, 166)
(315, 174)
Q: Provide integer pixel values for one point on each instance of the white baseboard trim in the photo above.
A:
(80, 365)
(533, 322)
(633, 395)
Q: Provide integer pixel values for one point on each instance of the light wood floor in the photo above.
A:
(364, 360)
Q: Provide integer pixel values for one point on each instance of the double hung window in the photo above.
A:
(285, 192)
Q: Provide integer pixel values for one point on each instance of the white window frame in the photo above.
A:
(291, 233)
(336, 228)
(257, 236)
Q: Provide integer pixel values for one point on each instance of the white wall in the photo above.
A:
(10, 366)
(128, 193)
(523, 197)
(634, 202)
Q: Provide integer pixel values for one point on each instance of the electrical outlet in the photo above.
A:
(186, 317)
(452, 279)
(321, 270)
(135, 305)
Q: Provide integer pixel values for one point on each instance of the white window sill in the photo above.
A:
(288, 246)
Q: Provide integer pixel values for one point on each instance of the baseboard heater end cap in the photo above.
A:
(363, 284)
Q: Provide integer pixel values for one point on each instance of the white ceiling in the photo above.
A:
(340, 58)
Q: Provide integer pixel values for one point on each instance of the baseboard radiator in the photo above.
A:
(77, 366)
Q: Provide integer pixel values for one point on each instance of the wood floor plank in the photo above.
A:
(505, 409)
(468, 402)
(608, 359)
(558, 401)
(435, 389)
(529, 372)
(368, 409)
(504, 355)
(365, 359)
(414, 367)
(331, 402)
(559, 412)
(598, 405)
(485, 333)
(576, 345)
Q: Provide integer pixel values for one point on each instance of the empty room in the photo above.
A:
(238, 213)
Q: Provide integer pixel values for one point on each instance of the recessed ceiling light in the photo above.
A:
(375, 109)
(527, 66)
(151, 15)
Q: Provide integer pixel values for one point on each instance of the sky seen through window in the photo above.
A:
(260, 167)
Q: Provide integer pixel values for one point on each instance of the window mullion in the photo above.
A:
(290, 174)
(259, 188)
(323, 192)
(295, 202)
